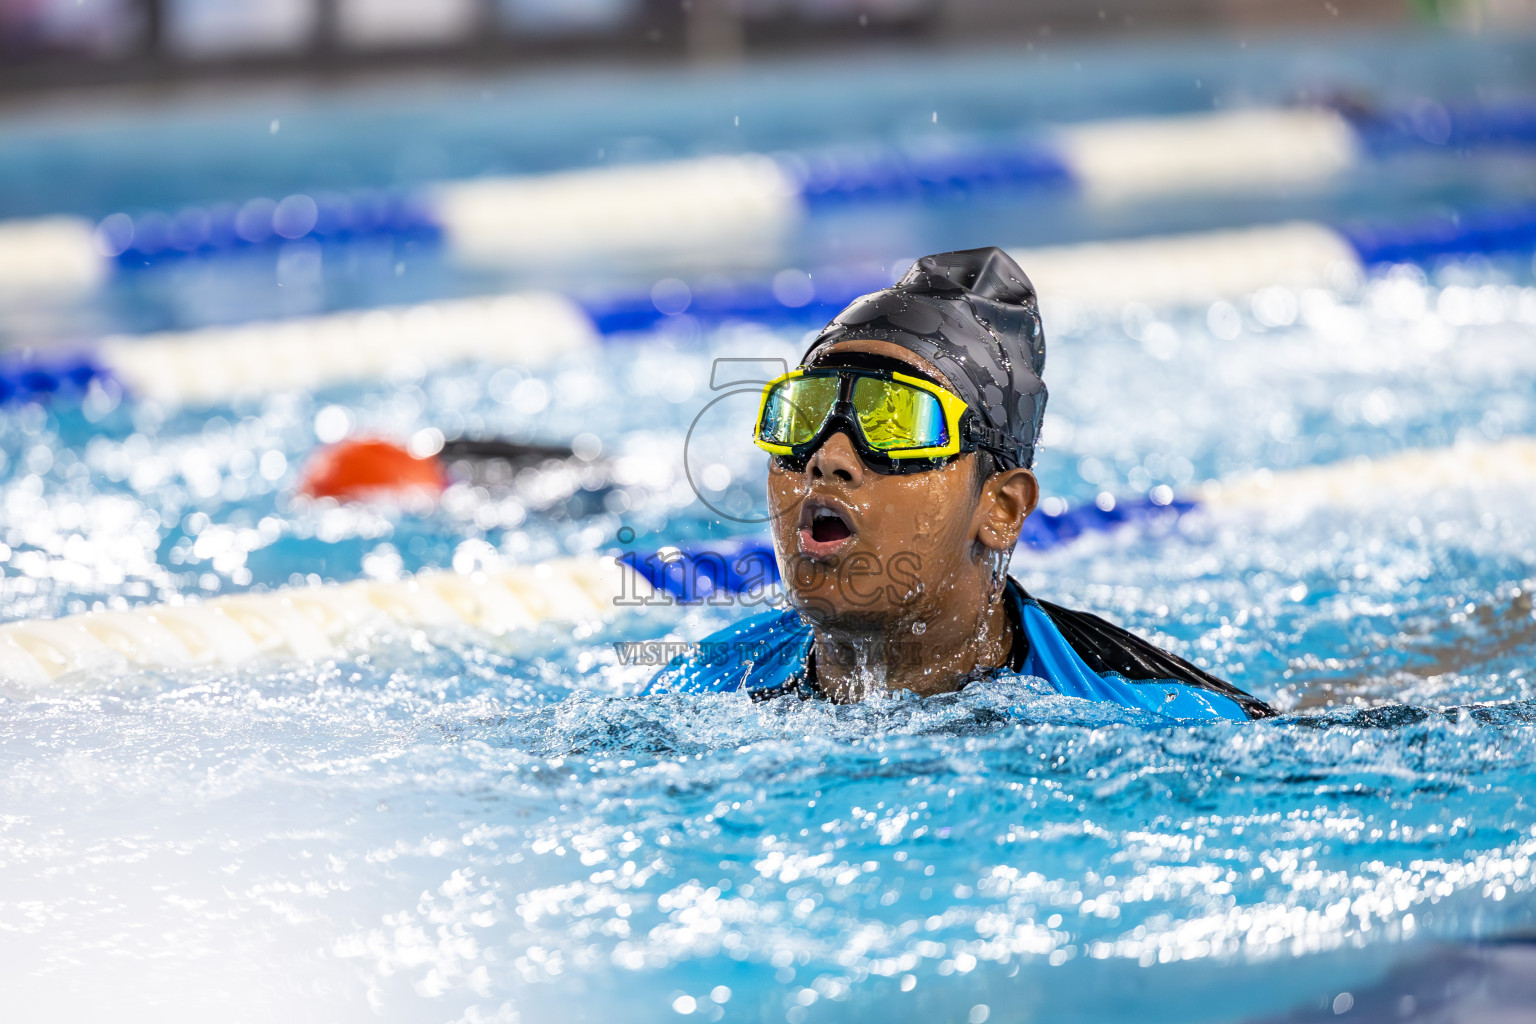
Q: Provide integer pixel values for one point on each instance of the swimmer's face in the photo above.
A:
(872, 550)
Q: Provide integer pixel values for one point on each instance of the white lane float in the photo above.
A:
(1226, 151)
(1198, 267)
(1360, 482)
(217, 364)
(49, 259)
(680, 206)
(43, 656)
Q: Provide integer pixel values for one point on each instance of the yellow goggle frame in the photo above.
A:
(845, 406)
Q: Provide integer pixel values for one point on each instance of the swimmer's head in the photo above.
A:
(973, 316)
(870, 541)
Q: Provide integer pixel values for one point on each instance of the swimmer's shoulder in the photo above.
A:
(1083, 655)
(762, 654)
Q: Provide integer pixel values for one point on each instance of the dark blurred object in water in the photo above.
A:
(550, 479)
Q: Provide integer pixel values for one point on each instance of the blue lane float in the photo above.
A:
(1424, 239)
(723, 570)
(1430, 125)
(1052, 527)
(816, 297)
(865, 174)
(43, 378)
(152, 238)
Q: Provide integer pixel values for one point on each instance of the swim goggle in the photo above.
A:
(898, 423)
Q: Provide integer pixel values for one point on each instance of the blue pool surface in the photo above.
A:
(448, 825)
(442, 826)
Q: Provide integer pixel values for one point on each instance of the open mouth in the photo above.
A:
(828, 526)
(823, 529)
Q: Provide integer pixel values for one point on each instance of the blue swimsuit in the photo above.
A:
(1075, 653)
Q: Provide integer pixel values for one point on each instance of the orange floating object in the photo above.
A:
(371, 470)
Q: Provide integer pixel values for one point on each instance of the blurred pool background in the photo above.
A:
(442, 825)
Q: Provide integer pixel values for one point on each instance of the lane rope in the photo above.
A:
(307, 623)
(87, 651)
(686, 205)
(217, 364)
(747, 565)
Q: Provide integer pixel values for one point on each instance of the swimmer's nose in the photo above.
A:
(838, 459)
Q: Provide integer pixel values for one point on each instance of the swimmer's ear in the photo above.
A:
(1007, 499)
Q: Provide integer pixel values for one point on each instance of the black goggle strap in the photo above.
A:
(976, 434)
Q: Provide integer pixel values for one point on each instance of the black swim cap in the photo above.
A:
(972, 314)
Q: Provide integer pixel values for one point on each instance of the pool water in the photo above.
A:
(458, 828)
(443, 826)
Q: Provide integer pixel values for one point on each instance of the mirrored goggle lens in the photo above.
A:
(796, 409)
(894, 415)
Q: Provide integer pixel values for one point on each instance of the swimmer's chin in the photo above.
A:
(846, 618)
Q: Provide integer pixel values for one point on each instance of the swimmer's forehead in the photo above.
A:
(884, 351)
